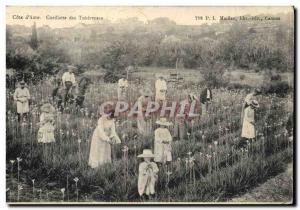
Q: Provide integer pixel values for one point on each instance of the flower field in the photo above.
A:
(207, 166)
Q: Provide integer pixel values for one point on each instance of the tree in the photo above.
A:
(117, 57)
(8, 37)
(34, 41)
(214, 74)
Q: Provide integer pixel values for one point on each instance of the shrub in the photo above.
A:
(214, 74)
(279, 88)
(234, 86)
(117, 57)
(242, 77)
(276, 77)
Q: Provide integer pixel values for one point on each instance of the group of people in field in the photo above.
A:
(105, 135)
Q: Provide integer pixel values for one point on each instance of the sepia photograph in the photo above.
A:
(150, 105)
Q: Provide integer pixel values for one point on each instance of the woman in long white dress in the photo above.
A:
(248, 129)
(103, 137)
(248, 99)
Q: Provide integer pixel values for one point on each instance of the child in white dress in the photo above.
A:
(162, 142)
(147, 174)
(46, 130)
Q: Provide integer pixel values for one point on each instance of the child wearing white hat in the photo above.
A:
(147, 174)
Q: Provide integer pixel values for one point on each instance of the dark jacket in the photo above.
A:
(203, 95)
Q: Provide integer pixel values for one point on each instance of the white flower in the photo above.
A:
(62, 190)
(208, 156)
(125, 148)
(216, 143)
(168, 173)
(12, 161)
(76, 179)
(20, 187)
(19, 159)
(124, 136)
(186, 160)
(192, 159)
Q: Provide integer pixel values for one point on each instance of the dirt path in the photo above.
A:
(277, 189)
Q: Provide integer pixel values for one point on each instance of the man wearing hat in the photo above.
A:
(144, 122)
(22, 97)
(160, 88)
(68, 80)
(147, 174)
(205, 99)
(248, 129)
(68, 77)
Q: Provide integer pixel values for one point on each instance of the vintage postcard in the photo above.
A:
(150, 105)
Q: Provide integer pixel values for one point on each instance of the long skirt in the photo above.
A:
(100, 152)
(248, 130)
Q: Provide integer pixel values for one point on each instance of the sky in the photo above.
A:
(181, 15)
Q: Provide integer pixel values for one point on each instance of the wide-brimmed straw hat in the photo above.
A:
(147, 153)
(254, 104)
(163, 121)
(47, 107)
(22, 82)
(146, 92)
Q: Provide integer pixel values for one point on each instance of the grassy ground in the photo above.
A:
(207, 165)
(251, 77)
(277, 189)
